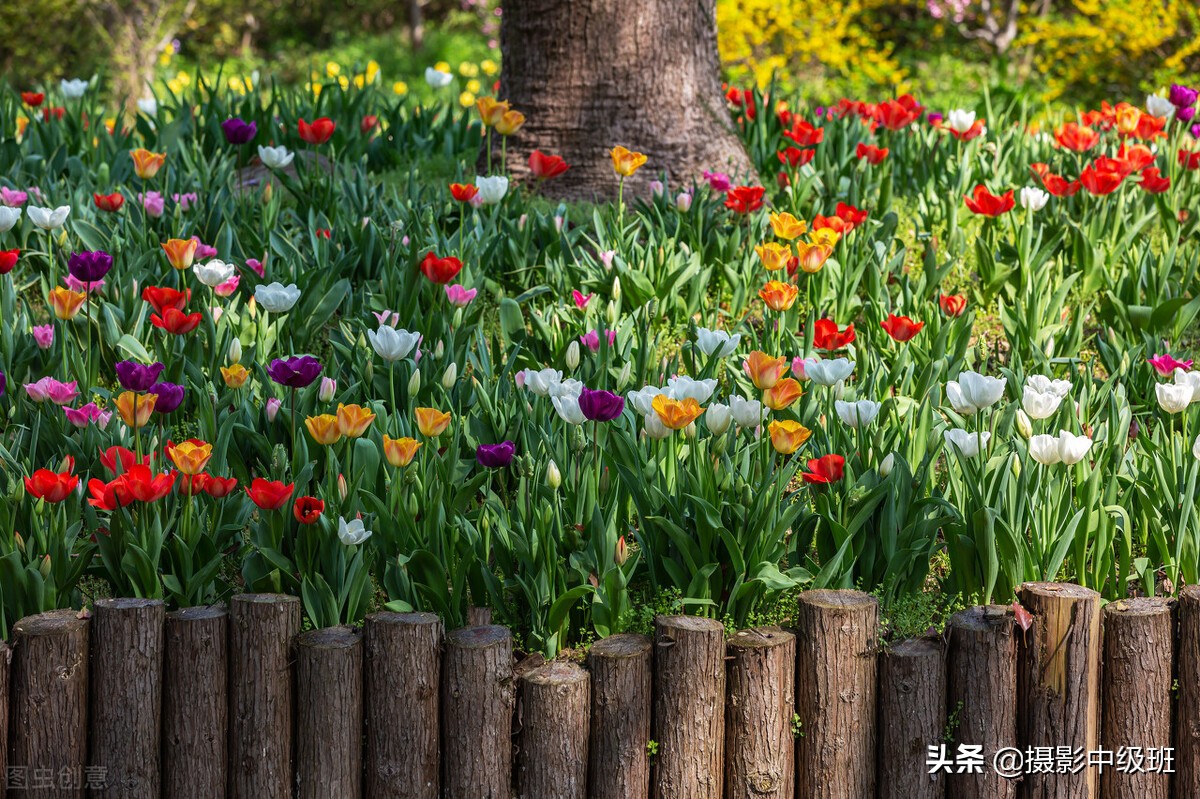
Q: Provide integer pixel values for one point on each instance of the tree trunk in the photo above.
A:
(127, 661)
(1059, 686)
(1187, 712)
(261, 714)
(403, 672)
(912, 717)
(622, 698)
(1139, 641)
(982, 697)
(477, 713)
(555, 703)
(329, 713)
(195, 704)
(836, 669)
(592, 74)
(48, 746)
(759, 757)
(5, 663)
(689, 707)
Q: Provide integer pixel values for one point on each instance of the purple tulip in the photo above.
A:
(934, 117)
(135, 376)
(294, 372)
(600, 406)
(3, 383)
(1185, 114)
(170, 397)
(1196, 131)
(89, 267)
(495, 456)
(238, 131)
(1182, 96)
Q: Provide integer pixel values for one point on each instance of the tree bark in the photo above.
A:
(912, 717)
(261, 632)
(759, 743)
(403, 672)
(689, 707)
(329, 713)
(1059, 685)
(1187, 711)
(127, 661)
(836, 670)
(195, 704)
(477, 713)
(982, 697)
(622, 698)
(555, 702)
(5, 664)
(592, 74)
(49, 705)
(1139, 642)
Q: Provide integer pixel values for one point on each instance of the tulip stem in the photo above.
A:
(293, 423)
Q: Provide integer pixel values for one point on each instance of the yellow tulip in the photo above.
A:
(235, 376)
(145, 163)
(779, 296)
(66, 303)
(135, 409)
(626, 161)
(491, 110)
(190, 457)
(510, 123)
(432, 422)
(774, 256)
(786, 226)
(787, 436)
(324, 428)
(676, 414)
(353, 420)
(400, 451)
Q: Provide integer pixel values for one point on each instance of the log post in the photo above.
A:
(261, 715)
(329, 713)
(48, 716)
(403, 654)
(1187, 709)
(1059, 685)
(478, 616)
(982, 697)
(759, 742)
(912, 717)
(555, 705)
(1139, 644)
(127, 661)
(5, 664)
(195, 703)
(689, 707)
(836, 670)
(477, 713)
(622, 697)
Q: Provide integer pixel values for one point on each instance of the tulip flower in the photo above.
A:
(1190, 379)
(8, 218)
(794, 158)
(1100, 182)
(973, 392)
(600, 405)
(162, 298)
(134, 376)
(1166, 365)
(88, 414)
(1039, 404)
(1172, 397)
(275, 157)
(53, 390)
(787, 227)
(170, 397)
(591, 339)
(716, 343)
(294, 372)
(353, 420)
(826, 335)
(509, 123)
(773, 256)
(391, 344)
(1065, 448)
(811, 257)
(952, 305)
(463, 192)
(763, 370)
(782, 394)
(676, 414)
(829, 372)
(268, 494)
(544, 167)
(135, 411)
(540, 382)
(431, 422)
(110, 203)
(238, 131)
(175, 322)
(153, 203)
(191, 456)
(66, 303)
(324, 428)
(437, 78)
(779, 296)
(276, 297)
(51, 486)
(565, 399)
(8, 260)
(235, 376)
(626, 162)
(967, 444)
(899, 113)
(73, 88)
(213, 273)
(400, 452)
(682, 387)
(1033, 199)
(491, 190)
(495, 456)
(43, 335)
(48, 218)
(1153, 182)
(319, 132)
(824, 470)
(308, 510)
(147, 164)
(746, 413)
(180, 252)
(787, 435)
(871, 154)
(744, 199)
(440, 270)
(1076, 138)
(856, 414)
(118, 460)
(352, 533)
(683, 202)
(718, 416)
(901, 328)
(983, 202)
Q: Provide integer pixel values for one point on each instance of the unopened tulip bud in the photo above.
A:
(273, 405)
(45, 567)
(235, 351)
(439, 350)
(839, 389)
(690, 430)
(1015, 464)
(657, 188)
(522, 221)
(328, 389)
(450, 376)
(343, 490)
(604, 481)
(573, 355)
(413, 506)
(683, 202)
(622, 552)
(1024, 426)
(414, 383)
(553, 475)
(616, 289)
(623, 377)
(610, 313)
(558, 223)
(21, 541)
(885, 467)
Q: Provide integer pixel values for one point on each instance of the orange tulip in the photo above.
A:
(180, 252)
(145, 163)
(324, 428)
(135, 409)
(676, 414)
(191, 456)
(235, 376)
(400, 451)
(787, 436)
(779, 296)
(432, 422)
(353, 420)
(625, 161)
(773, 256)
(812, 257)
(764, 370)
(509, 123)
(66, 303)
(786, 226)
(491, 110)
(782, 394)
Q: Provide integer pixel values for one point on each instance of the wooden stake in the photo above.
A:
(477, 713)
(912, 717)
(555, 705)
(195, 703)
(329, 713)
(759, 742)
(622, 698)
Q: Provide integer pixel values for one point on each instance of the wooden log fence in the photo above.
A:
(131, 701)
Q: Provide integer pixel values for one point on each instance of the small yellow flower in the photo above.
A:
(135, 410)
(353, 420)
(400, 451)
(66, 303)
(400, 88)
(432, 422)
(235, 376)
(474, 86)
(786, 226)
(489, 66)
(333, 69)
(324, 428)
(466, 99)
(625, 161)
(442, 66)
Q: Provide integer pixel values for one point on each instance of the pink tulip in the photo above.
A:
(12, 198)
(82, 417)
(592, 339)
(54, 390)
(44, 336)
(683, 201)
(185, 202)
(476, 201)
(581, 300)
(459, 296)
(799, 364)
(657, 188)
(606, 258)
(718, 181)
(385, 314)
(227, 288)
(259, 267)
(273, 405)
(217, 313)
(153, 202)
(203, 251)
(74, 284)
(1165, 365)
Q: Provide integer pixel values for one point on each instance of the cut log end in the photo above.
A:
(480, 637)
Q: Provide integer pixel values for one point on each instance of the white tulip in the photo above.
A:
(966, 443)
(1040, 405)
(718, 416)
(1024, 425)
(826, 373)
(553, 475)
(981, 391)
(213, 273)
(746, 413)
(1034, 199)
(235, 351)
(47, 218)
(1159, 106)
(275, 157)
(437, 78)
(655, 427)
(1172, 397)
(148, 106)
(276, 297)
(856, 414)
(960, 120)
(1190, 379)
(353, 532)
(1043, 384)
(1196, 449)
(73, 89)
(492, 189)
(1072, 448)
(1044, 449)
(887, 464)
(539, 382)
(682, 387)
(391, 344)
(450, 376)
(716, 342)
(8, 218)
(641, 399)
(958, 402)
(573, 355)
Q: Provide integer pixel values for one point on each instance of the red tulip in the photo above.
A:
(269, 494)
(8, 260)
(118, 460)
(324, 233)
(463, 192)
(220, 487)
(109, 202)
(189, 485)
(744, 199)
(1153, 182)
(110, 495)
(901, 328)
(51, 486)
(1189, 159)
(897, 114)
(33, 99)
(1100, 181)
(870, 153)
(826, 335)
(161, 298)
(985, 203)
(319, 132)
(794, 157)
(1055, 184)
(53, 112)
(952, 304)
(804, 134)
(368, 124)
(544, 167)
(176, 322)
(826, 469)
(308, 510)
(440, 270)
(1076, 137)
(853, 217)
(144, 486)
